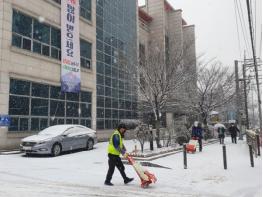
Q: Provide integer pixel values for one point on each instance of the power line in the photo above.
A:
(252, 25)
(260, 43)
(237, 30)
(245, 26)
(242, 23)
(255, 19)
(243, 19)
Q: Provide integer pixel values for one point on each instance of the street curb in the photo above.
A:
(10, 152)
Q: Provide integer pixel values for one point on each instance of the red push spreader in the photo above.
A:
(191, 146)
(146, 177)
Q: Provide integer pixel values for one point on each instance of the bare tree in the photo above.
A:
(214, 89)
(142, 134)
(162, 74)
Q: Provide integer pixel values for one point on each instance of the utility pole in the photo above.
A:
(255, 64)
(238, 100)
(253, 111)
(245, 92)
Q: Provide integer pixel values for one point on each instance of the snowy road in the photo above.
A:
(83, 174)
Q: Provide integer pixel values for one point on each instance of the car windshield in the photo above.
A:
(54, 130)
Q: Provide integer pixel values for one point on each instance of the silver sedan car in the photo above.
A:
(56, 139)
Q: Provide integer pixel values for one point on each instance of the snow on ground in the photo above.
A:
(83, 174)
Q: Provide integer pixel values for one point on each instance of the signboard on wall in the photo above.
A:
(4, 120)
(70, 47)
(214, 118)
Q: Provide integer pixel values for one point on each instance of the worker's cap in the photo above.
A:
(121, 125)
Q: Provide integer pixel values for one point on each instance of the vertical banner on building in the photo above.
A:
(70, 49)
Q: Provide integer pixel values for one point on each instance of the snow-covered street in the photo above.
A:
(83, 174)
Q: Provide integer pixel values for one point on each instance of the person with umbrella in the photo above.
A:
(221, 132)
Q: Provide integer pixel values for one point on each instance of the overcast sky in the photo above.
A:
(216, 29)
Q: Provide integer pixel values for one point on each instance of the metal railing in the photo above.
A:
(253, 139)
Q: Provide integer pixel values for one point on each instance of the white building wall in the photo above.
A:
(157, 26)
(189, 42)
(144, 33)
(175, 32)
(169, 23)
(23, 64)
(190, 53)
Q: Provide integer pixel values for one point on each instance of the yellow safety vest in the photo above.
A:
(111, 149)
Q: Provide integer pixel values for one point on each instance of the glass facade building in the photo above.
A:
(116, 51)
(35, 106)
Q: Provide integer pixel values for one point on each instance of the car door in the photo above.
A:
(79, 137)
(68, 139)
(83, 137)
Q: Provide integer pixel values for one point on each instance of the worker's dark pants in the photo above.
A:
(234, 139)
(200, 145)
(115, 160)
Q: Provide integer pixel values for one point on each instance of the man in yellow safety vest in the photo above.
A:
(115, 148)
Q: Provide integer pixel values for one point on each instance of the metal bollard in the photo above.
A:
(258, 145)
(251, 155)
(224, 156)
(151, 140)
(185, 157)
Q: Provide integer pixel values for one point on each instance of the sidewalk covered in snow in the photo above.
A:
(83, 174)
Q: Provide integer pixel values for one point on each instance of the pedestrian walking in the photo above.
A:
(197, 134)
(233, 132)
(221, 134)
(115, 148)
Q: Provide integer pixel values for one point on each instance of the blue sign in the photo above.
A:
(5, 121)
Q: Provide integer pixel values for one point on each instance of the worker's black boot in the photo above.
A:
(127, 180)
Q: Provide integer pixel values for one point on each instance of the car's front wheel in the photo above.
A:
(56, 150)
(90, 144)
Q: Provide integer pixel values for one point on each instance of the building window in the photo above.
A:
(34, 106)
(85, 54)
(43, 39)
(100, 124)
(55, 43)
(22, 24)
(84, 10)
(37, 37)
(18, 105)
